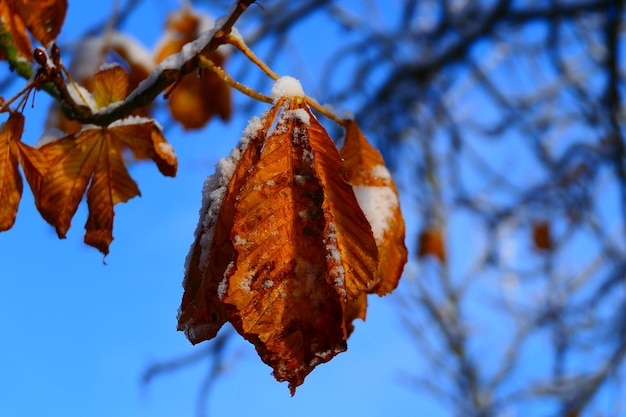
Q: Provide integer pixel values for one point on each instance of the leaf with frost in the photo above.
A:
(281, 248)
(378, 196)
(201, 313)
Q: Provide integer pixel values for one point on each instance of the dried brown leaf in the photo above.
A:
(201, 313)
(367, 173)
(197, 97)
(10, 179)
(44, 18)
(12, 23)
(431, 243)
(94, 158)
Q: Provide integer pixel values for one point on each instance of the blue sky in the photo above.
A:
(78, 335)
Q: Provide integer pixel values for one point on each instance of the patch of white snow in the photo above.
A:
(378, 204)
(286, 87)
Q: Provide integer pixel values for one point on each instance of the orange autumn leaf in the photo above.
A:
(431, 243)
(12, 153)
(92, 160)
(110, 86)
(297, 250)
(10, 178)
(378, 195)
(201, 314)
(12, 24)
(197, 97)
(43, 18)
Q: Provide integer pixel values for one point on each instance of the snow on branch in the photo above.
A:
(168, 72)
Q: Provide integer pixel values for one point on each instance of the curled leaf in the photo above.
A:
(43, 18)
(10, 178)
(378, 196)
(13, 36)
(282, 246)
(197, 97)
(12, 153)
(201, 313)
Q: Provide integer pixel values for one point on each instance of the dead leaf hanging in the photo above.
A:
(10, 179)
(201, 314)
(378, 196)
(197, 97)
(12, 153)
(431, 243)
(296, 250)
(541, 235)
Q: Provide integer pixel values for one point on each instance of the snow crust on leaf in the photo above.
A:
(201, 313)
(380, 172)
(378, 197)
(298, 114)
(135, 120)
(214, 189)
(167, 149)
(80, 95)
(333, 256)
(286, 87)
(379, 205)
(108, 65)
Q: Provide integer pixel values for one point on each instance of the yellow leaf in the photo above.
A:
(282, 250)
(303, 248)
(355, 240)
(110, 86)
(146, 141)
(12, 152)
(94, 157)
